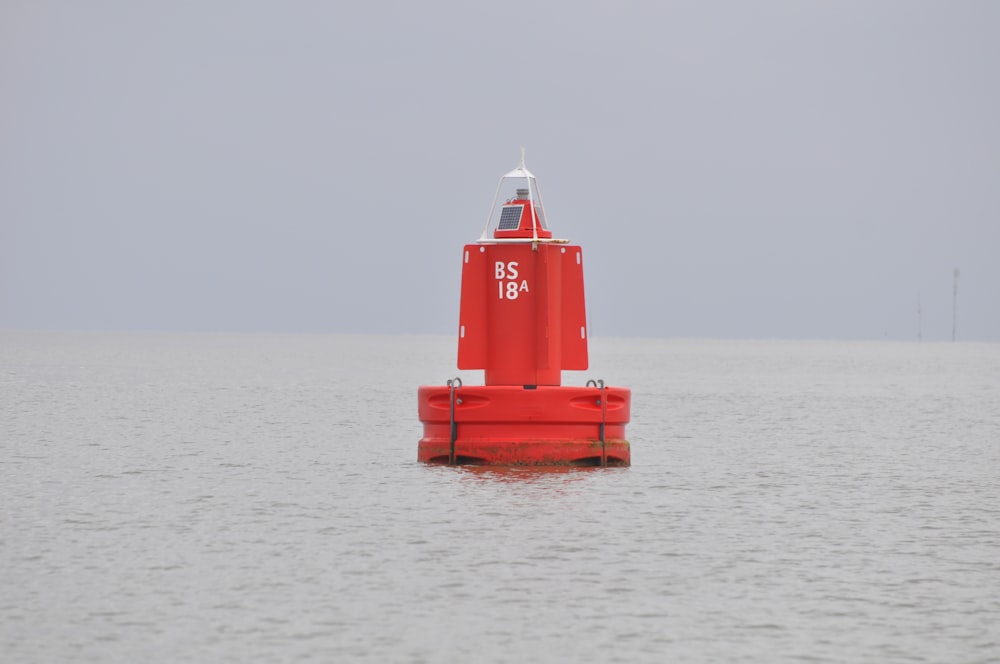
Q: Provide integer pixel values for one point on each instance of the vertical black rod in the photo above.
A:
(602, 400)
(604, 417)
(454, 384)
(454, 429)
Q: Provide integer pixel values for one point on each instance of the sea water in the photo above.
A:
(169, 497)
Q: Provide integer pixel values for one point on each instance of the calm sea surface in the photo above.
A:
(219, 498)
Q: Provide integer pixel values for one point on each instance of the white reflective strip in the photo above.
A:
(583, 332)
(461, 332)
(467, 257)
(578, 258)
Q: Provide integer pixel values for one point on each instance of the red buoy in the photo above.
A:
(523, 321)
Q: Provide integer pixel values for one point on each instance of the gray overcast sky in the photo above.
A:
(732, 169)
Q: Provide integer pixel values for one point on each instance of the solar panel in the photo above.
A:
(510, 218)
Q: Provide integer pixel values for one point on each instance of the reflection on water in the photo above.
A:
(553, 476)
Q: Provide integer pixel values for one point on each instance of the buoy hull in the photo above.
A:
(499, 425)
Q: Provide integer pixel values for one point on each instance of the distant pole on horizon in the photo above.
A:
(920, 326)
(954, 303)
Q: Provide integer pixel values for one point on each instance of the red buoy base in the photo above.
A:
(500, 425)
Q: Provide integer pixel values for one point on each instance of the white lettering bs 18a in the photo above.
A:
(506, 275)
